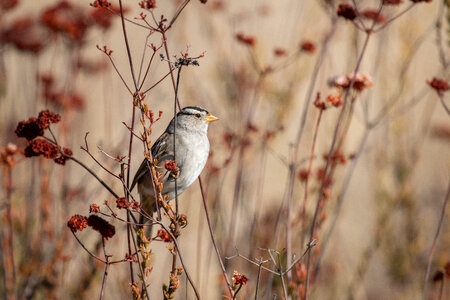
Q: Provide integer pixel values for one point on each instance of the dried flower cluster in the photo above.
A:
(60, 97)
(246, 39)
(239, 279)
(440, 85)
(77, 223)
(170, 165)
(346, 11)
(392, 2)
(148, 4)
(164, 236)
(7, 154)
(35, 127)
(308, 46)
(106, 230)
(361, 81)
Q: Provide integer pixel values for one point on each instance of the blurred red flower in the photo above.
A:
(246, 39)
(106, 230)
(25, 34)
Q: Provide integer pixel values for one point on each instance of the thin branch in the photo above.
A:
(261, 261)
(177, 13)
(224, 272)
(105, 274)
(433, 246)
(87, 250)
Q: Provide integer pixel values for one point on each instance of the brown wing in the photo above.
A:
(158, 150)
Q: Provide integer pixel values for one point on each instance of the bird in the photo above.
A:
(189, 132)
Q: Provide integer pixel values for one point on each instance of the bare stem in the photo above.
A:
(219, 258)
(433, 246)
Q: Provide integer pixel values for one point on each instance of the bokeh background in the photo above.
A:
(392, 191)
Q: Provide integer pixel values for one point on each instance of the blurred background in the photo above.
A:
(264, 64)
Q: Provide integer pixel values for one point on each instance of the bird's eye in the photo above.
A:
(198, 115)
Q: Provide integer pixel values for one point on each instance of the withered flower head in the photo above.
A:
(29, 129)
(346, 11)
(239, 279)
(279, 52)
(392, 2)
(8, 4)
(122, 203)
(46, 117)
(308, 46)
(246, 39)
(164, 236)
(42, 147)
(77, 223)
(35, 127)
(63, 158)
(374, 15)
(440, 85)
(170, 165)
(106, 230)
(94, 208)
(148, 4)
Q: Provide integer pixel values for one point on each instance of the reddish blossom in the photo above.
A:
(361, 81)
(170, 165)
(135, 205)
(25, 34)
(148, 4)
(303, 175)
(8, 4)
(65, 100)
(94, 208)
(372, 14)
(319, 104)
(101, 17)
(46, 117)
(336, 157)
(122, 203)
(440, 85)
(217, 5)
(63, 158)
(239, 279)
(334, 100)
(29, 129)
(106, 230)
(246, 39)
(164, 236)
(77, 223)
(7, 154)
(228, 137)
(252, 127)
(346, 11)
(100, 3)
(320, 175)
(392, 2)
(129, 257)
(34, 127)
(308, 46)
(66, 19)
(42, 147)
(279, 52)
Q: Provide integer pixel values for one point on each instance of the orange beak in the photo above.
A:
(211, 118)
